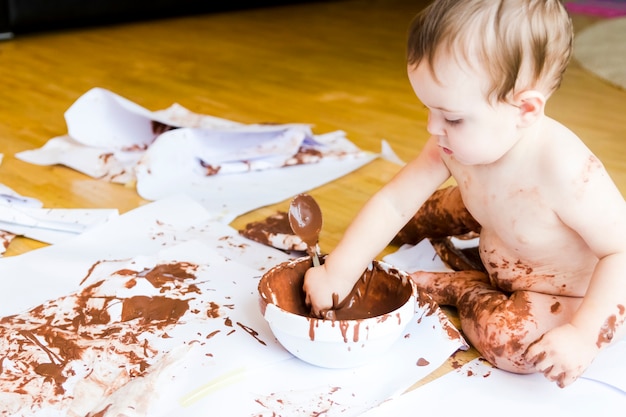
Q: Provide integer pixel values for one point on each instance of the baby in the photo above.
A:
(552, 222)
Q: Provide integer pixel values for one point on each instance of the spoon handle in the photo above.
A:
(316, 259)
(312, 252)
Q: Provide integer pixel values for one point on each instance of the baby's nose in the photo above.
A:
(434, 127)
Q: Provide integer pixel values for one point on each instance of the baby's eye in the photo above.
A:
(454, 122)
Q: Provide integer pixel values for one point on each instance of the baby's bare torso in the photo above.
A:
(523, 243)
(530, 249)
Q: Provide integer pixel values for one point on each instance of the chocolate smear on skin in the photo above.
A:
(607, 331)
(441, 216)
(467, 259)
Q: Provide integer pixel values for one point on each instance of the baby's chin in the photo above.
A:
(472, 160)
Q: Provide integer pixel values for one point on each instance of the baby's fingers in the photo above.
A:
(547, 368)
(315, 310)
(544, 364)
(560, 377)
(536, 355)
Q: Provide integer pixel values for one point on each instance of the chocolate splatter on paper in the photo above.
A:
(67, 354)
(5, 240)
(274, 231)
(422, 362)
(320, 402)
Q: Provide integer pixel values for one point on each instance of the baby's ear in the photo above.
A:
(531, 104)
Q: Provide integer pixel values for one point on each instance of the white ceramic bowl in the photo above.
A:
(339, 343)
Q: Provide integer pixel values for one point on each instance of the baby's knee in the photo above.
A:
(503, 340)
(508, 354)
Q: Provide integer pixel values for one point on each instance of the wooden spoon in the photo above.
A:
(305, 218)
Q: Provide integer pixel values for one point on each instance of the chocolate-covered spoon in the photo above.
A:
(305, 218)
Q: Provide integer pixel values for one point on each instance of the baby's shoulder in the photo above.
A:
(563, 156)
(557, 134)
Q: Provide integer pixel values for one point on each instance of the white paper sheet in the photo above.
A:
(26, 216)
(230, 167)
(57, 225)
(419, 257)
(180, 229)
(8, 196)
(479, 389)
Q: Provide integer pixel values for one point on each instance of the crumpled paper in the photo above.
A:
(26, 216)
(173, 150)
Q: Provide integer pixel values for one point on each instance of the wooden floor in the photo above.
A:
(339, 65)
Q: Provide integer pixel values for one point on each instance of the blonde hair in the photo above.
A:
(520, 43)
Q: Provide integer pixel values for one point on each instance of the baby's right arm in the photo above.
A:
(374, 227)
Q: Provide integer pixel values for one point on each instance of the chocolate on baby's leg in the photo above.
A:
(443, 214)
(499, 325)
(458, 259)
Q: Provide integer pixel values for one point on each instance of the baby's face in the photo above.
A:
(468, 127)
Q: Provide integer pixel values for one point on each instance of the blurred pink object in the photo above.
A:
(600, 8)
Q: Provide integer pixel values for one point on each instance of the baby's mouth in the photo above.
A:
(446, 150)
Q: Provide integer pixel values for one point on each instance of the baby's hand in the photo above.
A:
(561, 354)
(320, 287)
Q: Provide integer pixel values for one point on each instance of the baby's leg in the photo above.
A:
(500, 326)
(443, 214)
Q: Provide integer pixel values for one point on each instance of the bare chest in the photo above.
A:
(519, 212)
(524, 245)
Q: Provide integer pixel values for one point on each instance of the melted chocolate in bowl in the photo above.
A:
(380, 290)
(359, 329)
